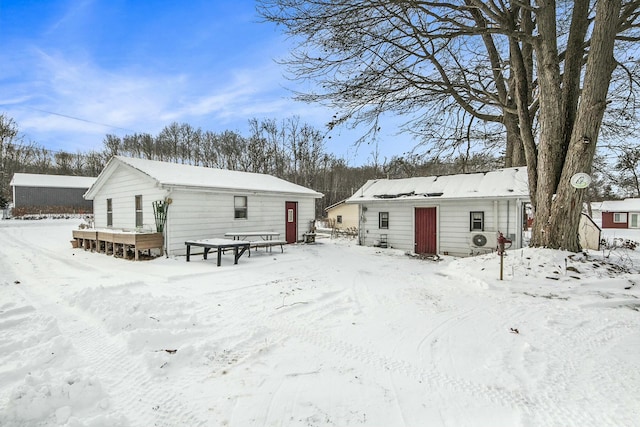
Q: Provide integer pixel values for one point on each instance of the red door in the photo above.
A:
(425, 231)
(291, 218)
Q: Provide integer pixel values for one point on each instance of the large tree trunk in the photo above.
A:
(565, 212)
(551, 121)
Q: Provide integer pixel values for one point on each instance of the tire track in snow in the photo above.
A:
(387, 364)
(107, 357)
(580, 350)
(583, 350)
(547, 409)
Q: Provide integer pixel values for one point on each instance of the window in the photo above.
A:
(620, 217)
(240, 207)
(109, 213)
(476, 221)
(339, 219)
(383, 220)
(634, 220)
(138, 211)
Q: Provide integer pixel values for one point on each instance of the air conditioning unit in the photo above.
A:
(483, 239)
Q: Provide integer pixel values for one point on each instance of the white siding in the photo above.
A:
(122, 187)
(194, 214)
(306, 215)
(201, 215)
(453, 223)
(400, 231)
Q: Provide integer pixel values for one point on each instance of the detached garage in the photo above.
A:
(199, 202)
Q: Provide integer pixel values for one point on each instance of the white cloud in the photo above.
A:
(71, 104)
(124, 100)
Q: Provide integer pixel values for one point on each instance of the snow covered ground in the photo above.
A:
(329, 334)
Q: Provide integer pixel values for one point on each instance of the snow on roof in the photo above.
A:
(174, 174)
(335, 204)
(59, 181)
(626, 205)
(508, 182)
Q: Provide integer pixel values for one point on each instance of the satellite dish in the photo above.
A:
(580, 180)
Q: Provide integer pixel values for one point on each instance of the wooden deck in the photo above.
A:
(118, 242)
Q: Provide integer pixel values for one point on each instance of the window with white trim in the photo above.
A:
(383, 220)
(109, 212)
(139, 211)
(240, 207)
(620, 217)
(476, 221)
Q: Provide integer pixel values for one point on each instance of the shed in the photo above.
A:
(589, 233)
(202, 202)
(457, 215)
(620, 213)
(40, 193)
(342, 216)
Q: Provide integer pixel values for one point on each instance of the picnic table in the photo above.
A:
(239, 247)
(264, 239)
(243, 235)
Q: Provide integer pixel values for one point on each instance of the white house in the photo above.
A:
(457, 215)
(202, 202)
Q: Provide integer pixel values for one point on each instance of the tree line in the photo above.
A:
(288, 149)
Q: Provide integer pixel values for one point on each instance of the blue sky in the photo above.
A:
(72, 71)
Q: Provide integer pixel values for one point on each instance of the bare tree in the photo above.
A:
(271, 136)
(8, 136)
(95, 162)
(8, 132)
(628, 171)
(169, 140)
(64, 162)
(429, 60)
(208, 149)
(541, 69)
(112, 145)
(189, 139)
